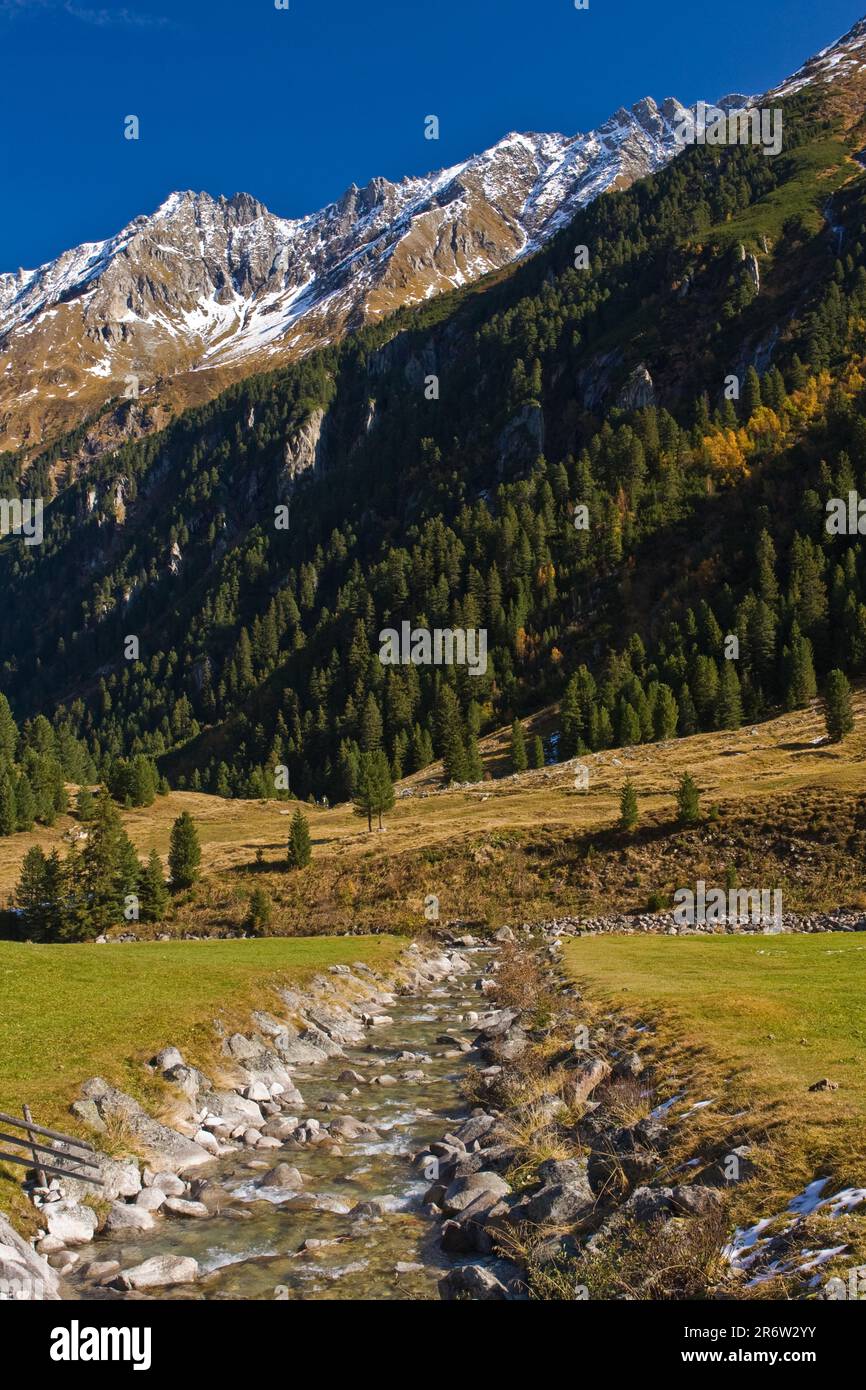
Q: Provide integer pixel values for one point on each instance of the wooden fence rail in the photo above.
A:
(74, 1164)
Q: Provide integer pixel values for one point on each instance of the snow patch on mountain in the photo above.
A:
(228, 277)
(844, 58)
(223, 286)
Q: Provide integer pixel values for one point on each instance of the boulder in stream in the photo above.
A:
(161, 1271)
(495, 1281)
(463, 1191)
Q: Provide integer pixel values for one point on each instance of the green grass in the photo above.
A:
(754, 1020)
(812, 173)
(70, 1012)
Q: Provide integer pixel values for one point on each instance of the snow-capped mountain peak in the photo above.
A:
(207, 289)
(846, 58)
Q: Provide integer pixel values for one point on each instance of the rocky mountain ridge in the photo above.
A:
(209, 290)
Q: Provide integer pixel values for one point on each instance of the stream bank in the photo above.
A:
(612, 1191)
(466, 1126)
(289, 1174)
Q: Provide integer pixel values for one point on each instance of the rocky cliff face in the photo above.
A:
(303, 449)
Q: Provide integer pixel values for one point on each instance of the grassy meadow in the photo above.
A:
(751, 1023)
(533, 845)
(71, 1012)
(67, 1012)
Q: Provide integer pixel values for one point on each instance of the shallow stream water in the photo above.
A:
(252, 1249)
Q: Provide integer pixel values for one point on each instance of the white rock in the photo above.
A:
(179, 1207)
(166, 1059)
(208, 1141)
(49, 1245)
(122, 1217)
(150, 1198)
(160, 1271)
(70, 1222)
(170, 1184)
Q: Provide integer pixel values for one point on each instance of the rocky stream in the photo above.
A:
(337, 1150)
(322, 1203)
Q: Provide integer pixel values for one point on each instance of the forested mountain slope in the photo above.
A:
(432, 467)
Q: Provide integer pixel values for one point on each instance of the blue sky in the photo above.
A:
(294, 105)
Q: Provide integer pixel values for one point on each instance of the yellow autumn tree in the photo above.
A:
(765, 431)
(725, 451)
(810, 400)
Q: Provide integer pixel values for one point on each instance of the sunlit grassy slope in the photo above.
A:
(751, 1023)
(69, 1012)
(533, 845)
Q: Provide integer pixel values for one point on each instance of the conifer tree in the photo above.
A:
(644, 712)
(688, 720)
(705, 689)
(449, 732)
(751, 393)
(8, 808)
(184, 855)
(347, 770)
(104, 871)
(55, 897)
(30, 894)
(129, 877)
(300, 850)
(259, 913)
(8, 732)
(838, 711)
(243, 664)
(142, 781)
(371, 725)
(665, 715)
(729, 709)
(399, 755)
(518, 748)
(628, 725)
(802, 685)
(474, 765)
(593, 728)
(536, 752)
(762, 638)
(76, 923)
(421, 749)
(25, 804)
(768, 585)
(628, 812)
(385, 786)
(605, 728)
(688, 800)
(571, 720)
(152, 891)
(374, 791)
(364, 790)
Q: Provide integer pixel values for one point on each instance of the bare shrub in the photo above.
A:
(669, 1260)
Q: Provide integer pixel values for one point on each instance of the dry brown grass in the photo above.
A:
(532, 846)
(674, 1260)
